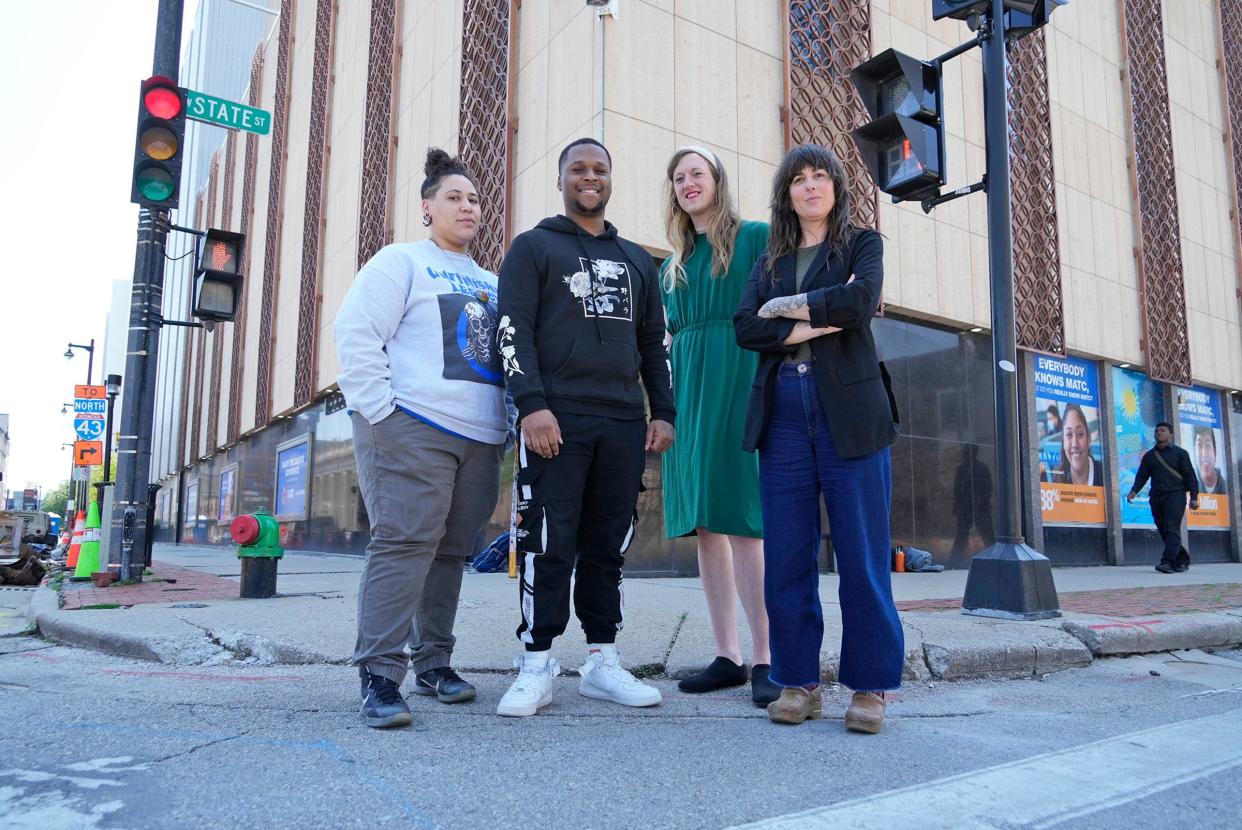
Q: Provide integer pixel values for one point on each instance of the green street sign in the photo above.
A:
(229, 114)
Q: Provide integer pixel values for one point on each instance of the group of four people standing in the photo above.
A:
(768, 349)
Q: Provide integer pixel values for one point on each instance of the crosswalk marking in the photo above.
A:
(1044, 790)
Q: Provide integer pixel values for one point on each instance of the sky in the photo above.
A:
(71, 72)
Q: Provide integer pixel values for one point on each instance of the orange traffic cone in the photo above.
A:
(79, 527)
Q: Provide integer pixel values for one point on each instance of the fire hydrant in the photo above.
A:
(258, 547)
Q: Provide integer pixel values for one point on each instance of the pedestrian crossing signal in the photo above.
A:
(217, 278)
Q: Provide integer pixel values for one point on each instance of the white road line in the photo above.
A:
(1044, 790)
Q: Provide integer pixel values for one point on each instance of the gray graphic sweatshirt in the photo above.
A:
(417, 331)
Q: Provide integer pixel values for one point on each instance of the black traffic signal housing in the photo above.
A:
(1026, 15)
(159, 145)
(958, 9)
(218, 279)
(903, 144)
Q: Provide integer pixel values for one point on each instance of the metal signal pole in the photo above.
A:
(138, 409)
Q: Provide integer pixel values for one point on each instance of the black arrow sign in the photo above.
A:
(87, 453)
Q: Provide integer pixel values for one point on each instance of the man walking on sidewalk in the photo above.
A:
(1172, 477)
(580, 324)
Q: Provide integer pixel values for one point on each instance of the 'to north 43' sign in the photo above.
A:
(230, 114)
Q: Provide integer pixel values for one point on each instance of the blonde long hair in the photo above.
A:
(722, 223)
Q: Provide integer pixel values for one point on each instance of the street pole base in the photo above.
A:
(258, 577)
(1011, 581)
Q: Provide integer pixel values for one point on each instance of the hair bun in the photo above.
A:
(440, 163)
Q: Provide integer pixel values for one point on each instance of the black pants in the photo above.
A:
(1168, 509)
(578, 509)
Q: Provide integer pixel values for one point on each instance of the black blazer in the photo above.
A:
(854, 386)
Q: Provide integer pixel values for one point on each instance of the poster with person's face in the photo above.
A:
(1203, 436)
(1138, 405)
(1067, 418)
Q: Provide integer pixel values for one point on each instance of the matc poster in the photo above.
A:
(1138, 406)
(1067, 415)
(1203, 436)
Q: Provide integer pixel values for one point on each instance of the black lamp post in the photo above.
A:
(113, 385)
(90, 363)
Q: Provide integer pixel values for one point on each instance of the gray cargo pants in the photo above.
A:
(427, 494)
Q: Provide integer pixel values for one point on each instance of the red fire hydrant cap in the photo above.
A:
(245, 529)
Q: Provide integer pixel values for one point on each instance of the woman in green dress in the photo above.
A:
(711, 485)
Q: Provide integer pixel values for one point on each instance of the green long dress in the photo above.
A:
(709, 480)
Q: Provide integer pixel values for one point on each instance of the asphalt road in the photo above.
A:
(89, 740)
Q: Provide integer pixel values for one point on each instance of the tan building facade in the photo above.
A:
(1126, 140)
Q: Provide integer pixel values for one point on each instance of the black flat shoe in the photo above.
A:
(762, 690)
(722, 673)
(1166, 568)
(444, 684)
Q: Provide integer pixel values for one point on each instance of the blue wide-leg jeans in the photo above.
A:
(798, 463)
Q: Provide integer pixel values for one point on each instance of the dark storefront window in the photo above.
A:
(944, 461)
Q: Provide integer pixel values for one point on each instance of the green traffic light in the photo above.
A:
(155, 183)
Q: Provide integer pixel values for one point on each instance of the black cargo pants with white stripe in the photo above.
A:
(578, 511)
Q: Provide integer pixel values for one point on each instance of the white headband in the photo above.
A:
(707, 155)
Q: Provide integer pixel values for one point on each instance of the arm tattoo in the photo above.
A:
(781, 306)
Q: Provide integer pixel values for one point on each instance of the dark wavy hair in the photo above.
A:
(786, 231)
(438, 165)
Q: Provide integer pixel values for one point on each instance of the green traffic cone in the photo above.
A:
(88, 556)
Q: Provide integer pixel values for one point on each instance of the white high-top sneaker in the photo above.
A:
(531, 691)
(604, 679)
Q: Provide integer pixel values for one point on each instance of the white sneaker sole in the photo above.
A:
(511, 711)
(651, 700)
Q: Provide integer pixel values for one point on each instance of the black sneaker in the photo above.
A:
(444, 684)
(1166, 568)
(1182, 567)
(382, 704)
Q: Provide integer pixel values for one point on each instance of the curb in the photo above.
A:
(1116, 637)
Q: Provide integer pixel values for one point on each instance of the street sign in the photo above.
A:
(81, 473)
(81, 390)
(88, 453)
(88, 406)
(89, 429)
(228, 114)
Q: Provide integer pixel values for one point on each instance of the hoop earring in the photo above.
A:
(426, 220)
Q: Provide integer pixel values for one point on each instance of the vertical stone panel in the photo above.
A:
(485, 137)
(1036, 250)
(1230, 16)
(247, 217)
(375, 202)
(275, 209)
(316, 186)
(1161, 282)
(828, 38)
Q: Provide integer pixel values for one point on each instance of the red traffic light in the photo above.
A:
(162, 102)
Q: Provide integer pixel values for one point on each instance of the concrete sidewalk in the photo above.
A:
(188, 613)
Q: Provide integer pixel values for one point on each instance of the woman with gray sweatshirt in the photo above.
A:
(415, 338)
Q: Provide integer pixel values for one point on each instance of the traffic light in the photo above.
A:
(958, 9)
(903, 144)
(158, 151)
(1029, 10)
(217, 275)
(1025, 16)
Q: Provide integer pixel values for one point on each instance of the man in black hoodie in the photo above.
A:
(580, 325)
(1172, 479)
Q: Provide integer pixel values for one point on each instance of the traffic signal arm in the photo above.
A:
(852, 304)
(755, 333)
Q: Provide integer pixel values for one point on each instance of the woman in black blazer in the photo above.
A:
(822, 416)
